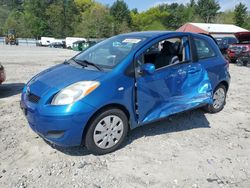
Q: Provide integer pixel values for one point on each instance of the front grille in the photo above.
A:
(33, 98)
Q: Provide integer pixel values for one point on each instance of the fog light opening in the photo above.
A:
(55, 134)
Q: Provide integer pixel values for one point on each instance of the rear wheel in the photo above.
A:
(248, 64)
(232, 60)
(239, 62)
(219, 100)
(107, 131)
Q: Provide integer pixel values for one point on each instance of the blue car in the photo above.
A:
(124, 82)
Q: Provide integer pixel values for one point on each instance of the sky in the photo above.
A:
(143, 5)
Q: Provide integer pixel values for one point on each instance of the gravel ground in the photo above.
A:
(193, 149)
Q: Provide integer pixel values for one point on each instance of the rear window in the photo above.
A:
(232, 40)
(204, 49)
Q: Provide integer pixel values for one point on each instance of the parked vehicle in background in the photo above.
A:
(122, 83)
(77, 46)
(11, 37)
(2, 74)
(82, 45)
(64, 43)
(239, 49)
(243, 59)
(224, 43)
(46, 41)
(70, 40)
(56, 45)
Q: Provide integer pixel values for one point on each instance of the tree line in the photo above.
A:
(90, 19)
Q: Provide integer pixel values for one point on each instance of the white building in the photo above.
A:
(216, 30)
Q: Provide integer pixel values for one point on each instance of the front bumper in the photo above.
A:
(61, 125)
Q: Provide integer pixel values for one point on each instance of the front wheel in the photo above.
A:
(219, 100)
(107, 131)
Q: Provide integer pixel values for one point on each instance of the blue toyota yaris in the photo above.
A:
(124, 82)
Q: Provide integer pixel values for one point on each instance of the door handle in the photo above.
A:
(193, 70)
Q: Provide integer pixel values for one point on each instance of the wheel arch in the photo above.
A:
(225, 83)
(103, 108)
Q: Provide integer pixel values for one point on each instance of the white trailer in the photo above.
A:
(45, 41)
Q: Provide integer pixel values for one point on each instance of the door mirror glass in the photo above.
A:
(147, 68)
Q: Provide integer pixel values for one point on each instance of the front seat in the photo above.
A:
(167, 56)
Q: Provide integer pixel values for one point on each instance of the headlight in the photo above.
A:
(74, 92)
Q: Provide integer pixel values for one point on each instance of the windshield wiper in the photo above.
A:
(85, 63)
(66, 62)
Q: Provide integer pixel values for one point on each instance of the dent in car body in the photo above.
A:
(173, 90)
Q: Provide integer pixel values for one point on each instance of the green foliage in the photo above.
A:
(152, 19)
(87, 18)
(4, 14)
(119, 10)
(176, 17)
(226, 17)
(84, 5)
(36, 18)
(61, 17)
(240, 15)
(16, 21)
(96, 23)
(207, 9)
(189, 13)
(192, 3)
(12, 4)
(122, 18)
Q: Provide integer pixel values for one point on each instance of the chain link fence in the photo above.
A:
(21, 41)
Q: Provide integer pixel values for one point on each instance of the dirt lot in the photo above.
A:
(193, 149)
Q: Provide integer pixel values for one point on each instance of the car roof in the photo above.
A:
(147, 33)
(150, 34)
(155, 34)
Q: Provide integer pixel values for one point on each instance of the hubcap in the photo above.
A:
(108, 132)
(219, 98)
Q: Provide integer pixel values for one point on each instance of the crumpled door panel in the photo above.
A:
(173, 90)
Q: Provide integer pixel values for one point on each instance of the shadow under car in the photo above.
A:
(8, 90)
(185, 121)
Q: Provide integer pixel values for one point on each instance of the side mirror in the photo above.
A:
(147, 68)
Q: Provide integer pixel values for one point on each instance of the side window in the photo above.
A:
(204, 49)
(166, 52)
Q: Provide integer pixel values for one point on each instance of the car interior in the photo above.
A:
(167, 52)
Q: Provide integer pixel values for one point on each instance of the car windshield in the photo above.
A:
(111, 52)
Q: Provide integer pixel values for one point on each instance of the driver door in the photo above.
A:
(172, 88)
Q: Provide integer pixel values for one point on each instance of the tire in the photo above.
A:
(239, 62)
(233, 61)
(107, 131)
(220, 93)
(248, 64)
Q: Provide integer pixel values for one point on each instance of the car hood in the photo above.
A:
(59, 77)
(242, 36)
